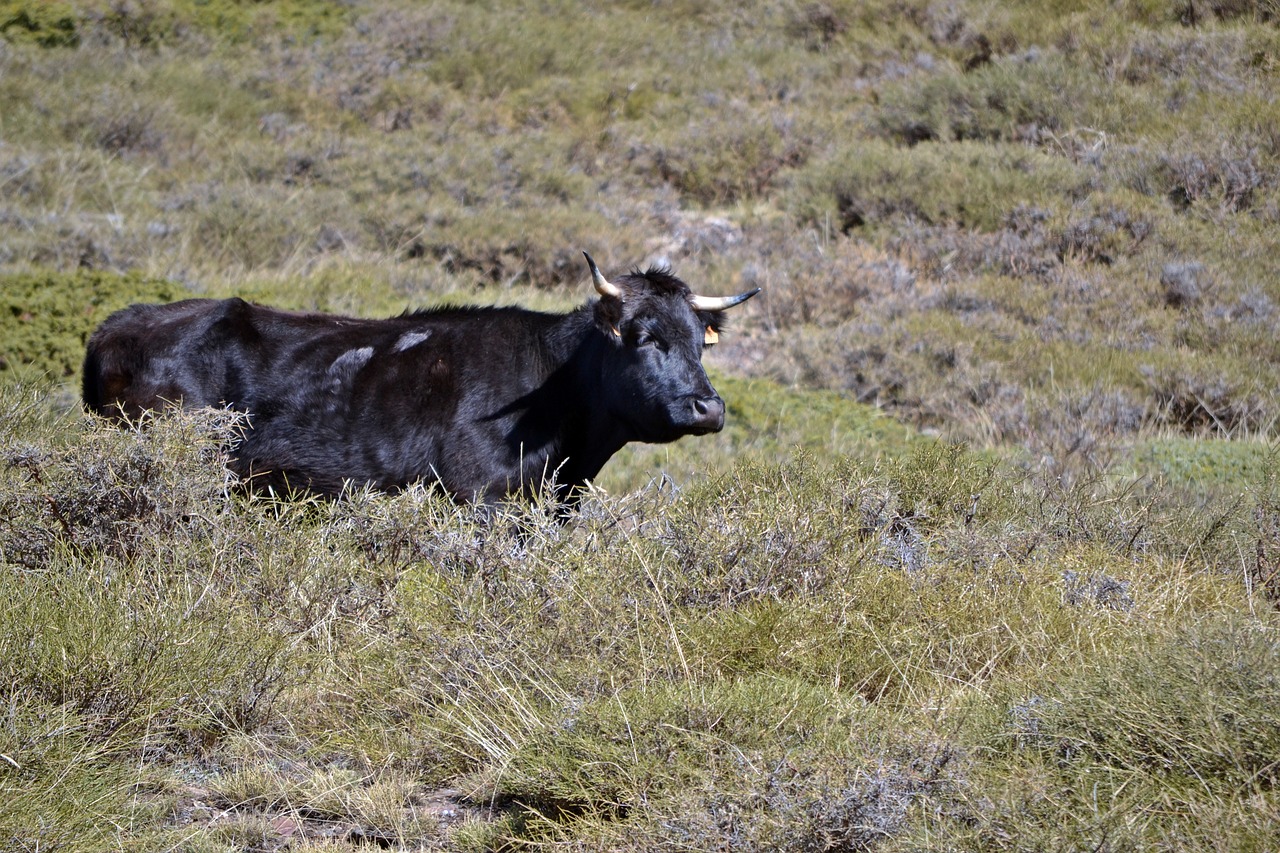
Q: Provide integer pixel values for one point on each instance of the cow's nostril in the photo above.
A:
(708, 413)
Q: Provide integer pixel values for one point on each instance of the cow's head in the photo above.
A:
(654, 381)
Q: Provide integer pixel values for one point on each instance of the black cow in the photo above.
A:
(484, 401)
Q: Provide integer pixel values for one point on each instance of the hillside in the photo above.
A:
(987, 557)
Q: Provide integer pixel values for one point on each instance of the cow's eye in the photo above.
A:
(644, 339)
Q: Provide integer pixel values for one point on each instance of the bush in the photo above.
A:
(46, 24)
(1103, 237)
(1193, 709)
(1013, 98)
(1194, 12)
(1203, 402)
(1226, 181)
(46, 318)
(732, 158)
(977, 187)
(1184, 284)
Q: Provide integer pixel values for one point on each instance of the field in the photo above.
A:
(986, 558)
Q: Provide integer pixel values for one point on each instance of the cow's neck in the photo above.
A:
(566, 429)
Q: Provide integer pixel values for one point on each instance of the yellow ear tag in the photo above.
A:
(710, 337)
(615, 331)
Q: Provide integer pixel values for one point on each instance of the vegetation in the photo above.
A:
(1028, 601)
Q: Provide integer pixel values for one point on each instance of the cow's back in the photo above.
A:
(330, 398)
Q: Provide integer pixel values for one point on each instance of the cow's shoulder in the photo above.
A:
(233, 313)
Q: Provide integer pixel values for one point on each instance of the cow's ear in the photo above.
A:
(608, 315)
(713, 323)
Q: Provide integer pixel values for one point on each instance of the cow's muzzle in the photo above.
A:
(708, 414)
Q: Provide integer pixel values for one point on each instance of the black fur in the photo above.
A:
(483, 401)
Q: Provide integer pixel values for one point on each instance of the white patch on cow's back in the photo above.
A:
(411, 339)
(346, 365)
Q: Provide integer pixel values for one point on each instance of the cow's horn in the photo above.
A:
(720, 303)
(603, 286)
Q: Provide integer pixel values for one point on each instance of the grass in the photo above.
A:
(987, 556)
(788, 653)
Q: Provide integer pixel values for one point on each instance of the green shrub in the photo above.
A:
(1015, 98)
(1200, 704)
(46, 318)
(876, 185)
(731, 157)
(1185, 720)
(45, 24)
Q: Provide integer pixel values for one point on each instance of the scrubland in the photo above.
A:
(987, 557)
